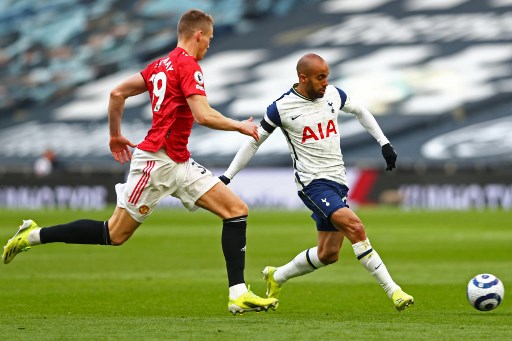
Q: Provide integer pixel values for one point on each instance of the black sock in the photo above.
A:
(77, 232)
(233, 246)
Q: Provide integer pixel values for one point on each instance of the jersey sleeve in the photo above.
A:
(146, 73)
(246, 152)
(367, 120)
(343, 97)
(250, 147)
(272, 117)
(191, 78)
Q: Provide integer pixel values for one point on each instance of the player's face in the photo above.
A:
(316, 83)
(204, 42)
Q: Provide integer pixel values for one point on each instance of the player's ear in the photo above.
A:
(302, 78)
(198, 35)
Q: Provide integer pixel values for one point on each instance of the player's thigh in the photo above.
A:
(223, 202)
(344, 217)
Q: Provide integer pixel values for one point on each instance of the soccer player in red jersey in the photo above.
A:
(161, 164)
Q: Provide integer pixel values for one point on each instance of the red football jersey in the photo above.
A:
(170, 80)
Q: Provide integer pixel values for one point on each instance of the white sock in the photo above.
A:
(33, 237)
(236, 290)
(370, 259)
(305, 262)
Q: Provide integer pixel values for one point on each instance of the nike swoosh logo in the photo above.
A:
(378, 266)
(295, 117)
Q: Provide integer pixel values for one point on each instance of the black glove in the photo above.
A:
(389, 155)
(224, 179)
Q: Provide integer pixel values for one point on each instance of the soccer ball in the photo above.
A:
(485, 292)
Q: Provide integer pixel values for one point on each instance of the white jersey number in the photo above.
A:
(158, 91)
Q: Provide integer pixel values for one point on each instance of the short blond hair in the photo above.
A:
(192, 21)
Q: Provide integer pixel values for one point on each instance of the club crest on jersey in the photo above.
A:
(144, 209)
(198, 76)
(318, 132)
(331, 105)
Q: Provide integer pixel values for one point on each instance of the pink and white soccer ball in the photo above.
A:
(485, 292)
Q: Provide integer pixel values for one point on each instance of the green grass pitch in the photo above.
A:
(169, 282)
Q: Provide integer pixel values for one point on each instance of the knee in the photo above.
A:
(117, 241)
(121, 227)
(117, 235)
(328, 256)
(349, 223)
(239, 209)
(358, 230)
(354, 231)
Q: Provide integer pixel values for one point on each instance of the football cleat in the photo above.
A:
(273, 288)
(402, 300)
(249, 301)
(18, 243)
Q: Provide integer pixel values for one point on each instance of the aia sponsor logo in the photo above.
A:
(319, 132)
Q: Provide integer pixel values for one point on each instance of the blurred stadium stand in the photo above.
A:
(50, 47)
(437, 75)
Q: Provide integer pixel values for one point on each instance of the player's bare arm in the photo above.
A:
(211, 118)
(119, 144)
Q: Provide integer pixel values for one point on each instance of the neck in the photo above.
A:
(301, 91)
(188, 47)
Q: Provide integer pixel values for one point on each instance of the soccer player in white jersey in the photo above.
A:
(308, 117)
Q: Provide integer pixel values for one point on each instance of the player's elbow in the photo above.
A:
(116, 94)
(202, 120)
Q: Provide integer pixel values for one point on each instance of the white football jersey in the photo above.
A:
(311, 129)
(312, 132)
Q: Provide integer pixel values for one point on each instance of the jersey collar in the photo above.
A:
(294, 90)
(183, 51)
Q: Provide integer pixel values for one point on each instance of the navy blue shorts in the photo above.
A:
(324, 197)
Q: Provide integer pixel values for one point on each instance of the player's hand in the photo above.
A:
(389, 155)
(119, 148)
(247, 127)
(224, 179)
